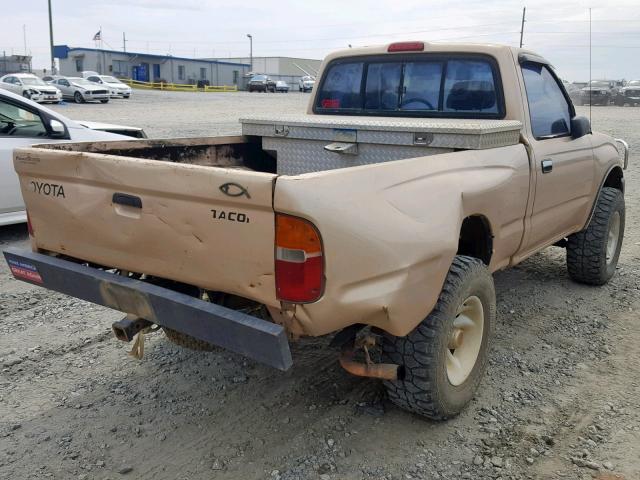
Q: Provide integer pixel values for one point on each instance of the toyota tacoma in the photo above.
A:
(378, 217)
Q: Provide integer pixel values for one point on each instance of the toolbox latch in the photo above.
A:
(422, 138)
(280, 130)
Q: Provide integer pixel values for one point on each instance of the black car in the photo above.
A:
(261, 83)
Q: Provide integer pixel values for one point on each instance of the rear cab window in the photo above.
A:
(423, 85)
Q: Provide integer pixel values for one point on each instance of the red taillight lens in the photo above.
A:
(299, 262)
(406, 47)
(29, 226)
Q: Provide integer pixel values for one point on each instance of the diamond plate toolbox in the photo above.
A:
(310, 143)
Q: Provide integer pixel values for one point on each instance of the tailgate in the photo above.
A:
(207, 226)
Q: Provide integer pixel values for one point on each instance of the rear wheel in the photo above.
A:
(592, 254)
(443, 360)
(77, 97)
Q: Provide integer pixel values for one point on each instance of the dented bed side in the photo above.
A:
(390, 231)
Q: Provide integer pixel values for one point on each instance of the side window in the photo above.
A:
(8, 80)
(548, 109)
(18, 122)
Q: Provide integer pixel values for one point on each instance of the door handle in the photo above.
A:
(127, 200)
(547, 165)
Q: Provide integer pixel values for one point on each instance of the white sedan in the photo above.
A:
(24, 123)
(30, 86)
(81, 90)
(115, 86)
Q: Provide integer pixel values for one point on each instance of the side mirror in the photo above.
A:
(57, 129)
(580, 126)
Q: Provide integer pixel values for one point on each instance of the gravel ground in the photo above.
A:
(560, 400)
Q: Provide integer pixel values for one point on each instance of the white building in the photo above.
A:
(147, 67)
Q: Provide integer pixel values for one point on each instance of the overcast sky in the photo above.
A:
(205, 28)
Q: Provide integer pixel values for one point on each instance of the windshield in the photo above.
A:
(599, 83)
(259, 77)
(81, 81)
(425, 85)
(308, 79)
(110, 79)
(32, 81)
(634, 83)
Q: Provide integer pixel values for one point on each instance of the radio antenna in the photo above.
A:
(590, 66)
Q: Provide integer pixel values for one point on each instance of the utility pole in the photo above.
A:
(524, 11)
(53, 60)
(250, 52)
(124, 43)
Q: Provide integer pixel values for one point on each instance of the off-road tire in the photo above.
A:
(423, 386)
(587, 250)
(187, 341)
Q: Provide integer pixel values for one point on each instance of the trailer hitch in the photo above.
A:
(130, 328)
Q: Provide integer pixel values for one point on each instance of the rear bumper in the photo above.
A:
(252, 337)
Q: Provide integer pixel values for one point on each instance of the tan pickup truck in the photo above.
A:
(378, 216)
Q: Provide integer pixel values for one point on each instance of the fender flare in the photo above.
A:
(602, 182)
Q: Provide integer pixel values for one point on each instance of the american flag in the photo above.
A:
(98, 36)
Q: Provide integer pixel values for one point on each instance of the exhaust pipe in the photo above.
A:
(129, 327)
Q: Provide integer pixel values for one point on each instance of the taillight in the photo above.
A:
(299, 262)
(29, 226)
(406, 47)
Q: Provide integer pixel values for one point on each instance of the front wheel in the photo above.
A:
(77, 97)
(104, 101)
(443, 359)
(592, 254)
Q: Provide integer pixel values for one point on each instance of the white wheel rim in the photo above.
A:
(612, 238)
(465, 340)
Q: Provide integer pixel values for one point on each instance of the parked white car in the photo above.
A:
(30, 86)
(116, 87)
(22, 123)
(81, 90)
(306, 83)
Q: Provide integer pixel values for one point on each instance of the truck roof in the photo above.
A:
(493, 49)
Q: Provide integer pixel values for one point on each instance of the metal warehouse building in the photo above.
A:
(289, 69)
(147, 67)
